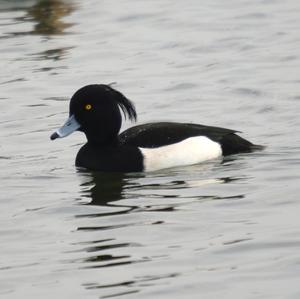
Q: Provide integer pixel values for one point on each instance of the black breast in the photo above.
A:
(110, 158)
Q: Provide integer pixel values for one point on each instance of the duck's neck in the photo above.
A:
(99, 142)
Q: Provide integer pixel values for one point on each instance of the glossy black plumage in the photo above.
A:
(154, 135)
(101, 124)
(96, 111)
(113, 158)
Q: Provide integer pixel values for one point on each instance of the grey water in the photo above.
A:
(222, 229)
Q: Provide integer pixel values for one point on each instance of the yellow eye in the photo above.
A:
(88, 107)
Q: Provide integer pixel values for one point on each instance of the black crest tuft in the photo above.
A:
(126, 105)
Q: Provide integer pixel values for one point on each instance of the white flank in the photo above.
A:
(190, 151)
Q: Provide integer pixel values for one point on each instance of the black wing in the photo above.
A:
(154, 135)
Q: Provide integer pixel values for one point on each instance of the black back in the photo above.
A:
(98, 110)
(154, 135)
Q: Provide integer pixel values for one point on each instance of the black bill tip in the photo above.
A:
(54, 136)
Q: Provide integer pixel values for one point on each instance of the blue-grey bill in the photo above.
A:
(68, 128)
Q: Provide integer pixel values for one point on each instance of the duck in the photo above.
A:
(97, 110)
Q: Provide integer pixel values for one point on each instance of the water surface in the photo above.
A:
(226, 228)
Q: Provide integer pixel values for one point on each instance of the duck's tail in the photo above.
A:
(257, 147)
(233, 144)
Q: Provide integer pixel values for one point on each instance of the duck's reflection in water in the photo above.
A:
(116, 231)
(144, 192)
(105, 189)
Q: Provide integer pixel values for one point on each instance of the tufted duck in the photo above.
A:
(96, 111)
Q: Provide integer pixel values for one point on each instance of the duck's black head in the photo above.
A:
(95, 110)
